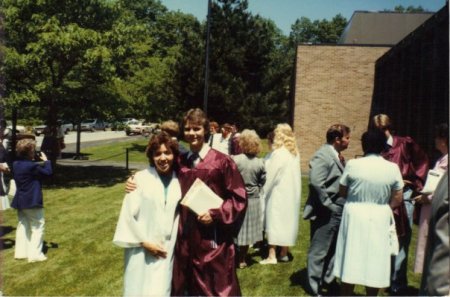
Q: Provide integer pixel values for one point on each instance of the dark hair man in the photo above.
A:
(324, 208)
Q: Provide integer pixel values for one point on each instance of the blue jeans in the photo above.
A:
(399, 279)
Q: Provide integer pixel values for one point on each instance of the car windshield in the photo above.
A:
(87, 121)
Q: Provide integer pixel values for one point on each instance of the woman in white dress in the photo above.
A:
(282, 192)
(148, 222)
(372, 186)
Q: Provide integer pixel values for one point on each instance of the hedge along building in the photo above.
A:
(335, 83)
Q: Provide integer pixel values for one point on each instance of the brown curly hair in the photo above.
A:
(155, 143)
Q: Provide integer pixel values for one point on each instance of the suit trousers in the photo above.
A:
(30, 234)
(321, 252)
(399, 280)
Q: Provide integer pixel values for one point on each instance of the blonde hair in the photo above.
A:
(382, 121)
(284, 136)
(249, 142)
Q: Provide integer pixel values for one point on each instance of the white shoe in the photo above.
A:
(268, 261)
(38, 259)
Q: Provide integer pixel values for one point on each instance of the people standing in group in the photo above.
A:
(441, 144)
(205, 253)
(436, 272)
(28, 201)
(413, 165)
(254, 174)
(148, 222)
(371, 186)
(282, 193)
(324, 208)
(221, 141)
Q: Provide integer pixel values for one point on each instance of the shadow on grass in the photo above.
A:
(6, 243)
(300, 278)
(138, 147)
(69, 176)
(49, 245)
(6, 230)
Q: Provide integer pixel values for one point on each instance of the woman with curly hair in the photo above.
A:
(254, 174)
(282, 193)
(28, 201)
(148, 222)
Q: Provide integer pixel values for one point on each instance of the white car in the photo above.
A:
(134, 127)
(137, 127)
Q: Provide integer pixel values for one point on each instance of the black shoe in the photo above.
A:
(398, 292)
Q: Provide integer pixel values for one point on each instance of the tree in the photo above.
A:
(409, 9)
(57, 58)
(56, 55)
(166, 70)
(248, 82)
(319, 31)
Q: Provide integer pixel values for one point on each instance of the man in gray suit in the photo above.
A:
(436, 275)
(324, 207)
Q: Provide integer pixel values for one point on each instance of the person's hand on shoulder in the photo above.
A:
(130, 185)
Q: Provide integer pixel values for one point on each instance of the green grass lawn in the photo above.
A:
(81, 211)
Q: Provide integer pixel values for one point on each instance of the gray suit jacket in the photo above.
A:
(436, 274)
(324, 176)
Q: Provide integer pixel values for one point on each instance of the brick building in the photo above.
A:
(333, 84)
(337, 83)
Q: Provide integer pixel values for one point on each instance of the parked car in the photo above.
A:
(134, 127)
(38, 130)
(65, 126)
(127, 121)
(92, 125)
(140, 127)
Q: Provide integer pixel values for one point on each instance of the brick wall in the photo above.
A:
(333, 84)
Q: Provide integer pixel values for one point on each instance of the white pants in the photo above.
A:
(30, 234)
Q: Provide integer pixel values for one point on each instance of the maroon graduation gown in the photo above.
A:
(204, 263)
(413, 164)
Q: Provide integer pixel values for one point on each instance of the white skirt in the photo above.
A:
(4, 202)
(362, 252)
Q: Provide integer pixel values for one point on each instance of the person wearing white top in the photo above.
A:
(282, 192)
(148, 222)
(372, 186)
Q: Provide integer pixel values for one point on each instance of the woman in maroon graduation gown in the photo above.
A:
(204, 262)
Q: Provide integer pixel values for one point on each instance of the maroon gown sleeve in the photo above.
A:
(411, 159)
(231, 213)
(419, 164)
